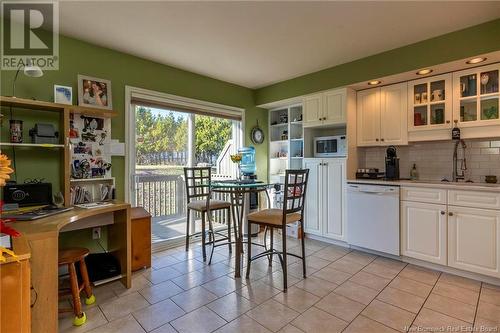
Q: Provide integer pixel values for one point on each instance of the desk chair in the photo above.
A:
(294, 194)
(69, 257)
(197, 192)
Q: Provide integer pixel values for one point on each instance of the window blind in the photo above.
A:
(181, 104)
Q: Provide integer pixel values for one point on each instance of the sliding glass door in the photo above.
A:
(167, 141)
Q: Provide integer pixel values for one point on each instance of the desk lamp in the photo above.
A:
(29, 70)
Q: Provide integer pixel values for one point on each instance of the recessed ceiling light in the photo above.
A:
(374, 82)
(476, 60)
(424, 71)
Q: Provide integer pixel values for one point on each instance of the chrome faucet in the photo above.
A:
(459, 175)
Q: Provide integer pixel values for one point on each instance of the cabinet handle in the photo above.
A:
(381, 139)
(447, 121)
(376, 140)
(450, 214)
(443, 212)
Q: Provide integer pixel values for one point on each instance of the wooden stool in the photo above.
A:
(69, 257)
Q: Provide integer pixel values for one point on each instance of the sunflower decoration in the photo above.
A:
(5, 171)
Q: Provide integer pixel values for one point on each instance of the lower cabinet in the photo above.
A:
(423, 231)
(325, 198)
(312, 209)
(466, 238)
(474, 240)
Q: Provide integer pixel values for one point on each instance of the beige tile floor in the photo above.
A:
(345, 291)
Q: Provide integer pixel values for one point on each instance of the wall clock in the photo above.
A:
(257, 134)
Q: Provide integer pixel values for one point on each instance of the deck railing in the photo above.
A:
(164, 195)
(161, 195)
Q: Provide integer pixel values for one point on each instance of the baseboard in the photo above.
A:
(328, 240)
(416, 262)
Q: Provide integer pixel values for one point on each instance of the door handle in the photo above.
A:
(443, 212)
(450, 213)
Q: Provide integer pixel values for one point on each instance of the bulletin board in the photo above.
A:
(89, 137)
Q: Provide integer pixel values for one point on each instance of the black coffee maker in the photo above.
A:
(391, 164)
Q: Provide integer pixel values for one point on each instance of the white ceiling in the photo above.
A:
(255, 44)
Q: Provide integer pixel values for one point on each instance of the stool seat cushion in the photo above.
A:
(201, 205)
(72, 255)
(272, 217)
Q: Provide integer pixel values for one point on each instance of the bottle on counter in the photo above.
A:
(414, 172)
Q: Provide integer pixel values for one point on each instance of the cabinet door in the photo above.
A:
(368, 117)
(423, 231)
(334, 110)
(393, 115)
(473, 240)
(333, 198)
(312, 210)
(429, 103)
(313, 110)
(476, 96)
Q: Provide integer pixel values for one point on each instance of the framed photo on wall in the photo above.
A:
(94, 92)
(63, 94)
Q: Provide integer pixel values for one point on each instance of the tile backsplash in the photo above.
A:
(434, 160)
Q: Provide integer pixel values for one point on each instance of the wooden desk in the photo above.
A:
(15, 290)
(43, 238)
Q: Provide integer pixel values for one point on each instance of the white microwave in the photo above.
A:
(330, 146)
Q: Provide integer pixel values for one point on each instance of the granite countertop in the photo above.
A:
(430, 183)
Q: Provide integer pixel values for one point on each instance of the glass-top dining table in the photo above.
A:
(239, 192)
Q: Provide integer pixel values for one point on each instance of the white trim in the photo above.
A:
(185, 102)
(135, 92)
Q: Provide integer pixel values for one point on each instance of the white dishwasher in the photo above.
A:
(373, 217)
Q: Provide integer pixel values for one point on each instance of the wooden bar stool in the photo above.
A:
(70, 257)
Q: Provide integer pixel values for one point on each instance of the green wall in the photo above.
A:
(78, 57)
(456, 45)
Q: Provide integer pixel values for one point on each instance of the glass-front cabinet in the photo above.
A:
(476, 96)
(430, 103)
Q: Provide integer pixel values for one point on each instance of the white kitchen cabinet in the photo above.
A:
(382, 117)
(476, 96)
(424, 231)
(327, 108)
(430, 107)
(393, 116)
(368, 117)
(334, 175)
(473, 240)
(325, 198)
(334, 110)
(424, 194)
(313, 110)
(313, 204)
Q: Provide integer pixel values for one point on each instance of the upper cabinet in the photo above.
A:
(430, 103)
(368, 117)
(382, 117)
(327, 108)
(313, 110)
(476, 96)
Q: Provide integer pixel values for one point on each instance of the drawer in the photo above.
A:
(423, 194)
(474, 199)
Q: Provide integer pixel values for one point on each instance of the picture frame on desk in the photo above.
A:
(94, 92)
